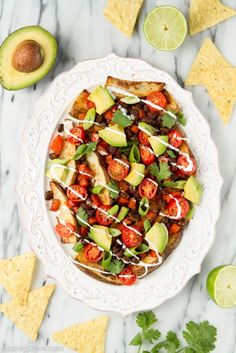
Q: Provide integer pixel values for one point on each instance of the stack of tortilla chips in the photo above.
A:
(212, 70)
(26, 308)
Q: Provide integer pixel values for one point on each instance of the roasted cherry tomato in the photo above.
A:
(77, 193)
(77, 135)
(168, 197)
(92, 253)
(143, 138)
(65, 230)
(187, 166)
(118, 169)
(178, 207)
(131, 236)
(127, 276)
(56, 144)
(103, 217)
(175, 138)
(148, 188)
(147, 155)
(157, 98)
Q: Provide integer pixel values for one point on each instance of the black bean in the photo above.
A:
(124, 194)
(60, 127)
(135, 113)
(134, 216)
(99, 118)
(124, 105)
(131, 189)
(48, 195)
(112, 149)
(134, 260)
(153, 115)
(120, 253)
(145, 108)
(126, 258)
(116, 249)
(53, 155)
(164, 130)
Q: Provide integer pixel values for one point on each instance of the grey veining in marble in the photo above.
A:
(82, 33)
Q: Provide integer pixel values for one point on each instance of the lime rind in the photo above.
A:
(162, 17)
(221, 286)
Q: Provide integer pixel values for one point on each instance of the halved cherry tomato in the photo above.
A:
(131, 236)
(188, 166)
(147, 155)
(127, 276)
(109, 114)
(95, 200)
(118, 169)
(56, 144)
(65, 230)
(84, 170)
(157, 98)
(173, 206)
(143, 138)
(71, 204)
(92, 253)
(55, 205)
(175, 138)
(78, 135)
(174, 228)
(76, 193)
(167, 197)
(83, 231)
(103, 217)
(148, 188)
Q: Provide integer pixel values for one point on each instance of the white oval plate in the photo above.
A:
(184, 262)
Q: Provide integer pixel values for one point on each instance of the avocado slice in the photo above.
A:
(136, 174)
(101, 236)
(157, 237)
(157, 146)
(26, 56)
(58, 173)
(71, 173)
(100, 176)
(148, 129)
(114, 135)
(193, 190)
(102, 99)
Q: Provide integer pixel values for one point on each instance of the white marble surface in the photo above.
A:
(83, 33)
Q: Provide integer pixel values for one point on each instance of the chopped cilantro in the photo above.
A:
(115, 267)
(168, 120)
(82, 216)
(113, 189)
(122, 120)
(162, 172)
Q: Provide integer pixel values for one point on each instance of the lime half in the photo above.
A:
(221, 285)
(165, 28)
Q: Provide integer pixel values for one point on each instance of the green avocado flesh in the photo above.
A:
(157, 146)
(12, 79)
(193, 190)
(114, 135)
(100, 235)
(102, 99)
(157, 237)
(136, 174)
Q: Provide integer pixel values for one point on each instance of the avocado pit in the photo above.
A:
(27, 57)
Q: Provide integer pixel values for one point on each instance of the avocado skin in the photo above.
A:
(22, 81)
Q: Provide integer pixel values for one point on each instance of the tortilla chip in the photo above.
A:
(123, 14)
(88, 337)
(207, 13)
(221, 86)
(16, 275)
(208, 59)
(29, 318)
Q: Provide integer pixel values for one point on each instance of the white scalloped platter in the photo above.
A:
(198, 237)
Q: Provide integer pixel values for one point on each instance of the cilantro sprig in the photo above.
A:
(199, 338)
(162, 172)
(82, 216)
(121, 119)
(168, 120)
(113, 189)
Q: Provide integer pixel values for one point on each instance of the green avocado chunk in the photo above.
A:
(26, 56)
(157, 237)
(102, 99)
(193, 190)
(157, 146)
(100, 235)
(114, 135)
(136, 174)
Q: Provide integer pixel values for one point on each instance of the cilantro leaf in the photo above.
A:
(83, 149)
(146, 319)
(122, 120)
(113, 189)
(181, 119)
(137, 340)
(201, 337)
(116, 267)
(151, 335)
(162, 172)
(82, 216)
(168, 120)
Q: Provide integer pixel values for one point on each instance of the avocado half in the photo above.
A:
(40, 47)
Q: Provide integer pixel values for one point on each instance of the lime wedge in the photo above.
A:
(165, 27)
(221, 285)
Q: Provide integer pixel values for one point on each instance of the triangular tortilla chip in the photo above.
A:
(16, 275)
(88, 337)
(221, 86)
(29, 318)
(123, 14)
(209, 58)
(207, 13)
